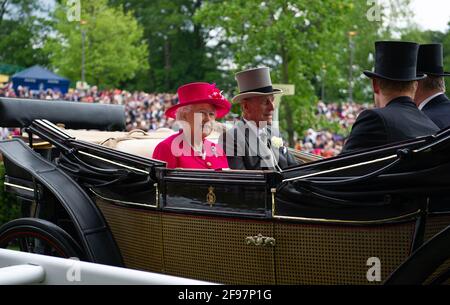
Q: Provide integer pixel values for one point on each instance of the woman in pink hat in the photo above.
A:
(199, 105)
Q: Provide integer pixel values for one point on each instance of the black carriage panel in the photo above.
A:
(376, 156)
(17, 172)
(385, 186)
(235, 193)
(113, 175)
(22, 188)
(110, 174)
(362, 161)
(311, 206)
(18, 181)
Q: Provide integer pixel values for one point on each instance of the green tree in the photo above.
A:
(178, 51)
(367, 23)
(296, 39)
(114, 47)
(304, 42)
(23, 29)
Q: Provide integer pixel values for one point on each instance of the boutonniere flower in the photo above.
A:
(276, 142)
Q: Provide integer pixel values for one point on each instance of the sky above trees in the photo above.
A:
(431, 14)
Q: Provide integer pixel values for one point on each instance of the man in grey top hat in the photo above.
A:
(254, 142)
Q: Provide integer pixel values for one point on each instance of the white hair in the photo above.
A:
(180, 116)
(182, 111)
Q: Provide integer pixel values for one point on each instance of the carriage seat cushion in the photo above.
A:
(136, 142)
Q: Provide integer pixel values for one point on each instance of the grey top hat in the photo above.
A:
(254, 82)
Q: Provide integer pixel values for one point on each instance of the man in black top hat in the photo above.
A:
(430, 95)
(394, 84)
(254, 142)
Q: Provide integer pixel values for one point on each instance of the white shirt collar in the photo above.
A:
(258, 131)
(428, 99)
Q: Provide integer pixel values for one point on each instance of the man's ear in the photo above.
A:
(244, 106)
(376, 86)
(415, 86)
(420, 85)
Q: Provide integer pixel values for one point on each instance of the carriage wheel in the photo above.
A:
(38, 236)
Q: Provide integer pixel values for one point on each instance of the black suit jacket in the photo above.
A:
(438, 110)
(241, 154)
(400, 120)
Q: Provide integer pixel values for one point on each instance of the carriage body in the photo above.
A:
(317, 223)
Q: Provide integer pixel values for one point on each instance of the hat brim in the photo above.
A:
(371, 74)
(238, 98)
(437, 74)
(222, 107)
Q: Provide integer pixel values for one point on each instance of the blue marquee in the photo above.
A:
(39, 78)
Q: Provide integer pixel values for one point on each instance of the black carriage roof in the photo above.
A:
(16, 112)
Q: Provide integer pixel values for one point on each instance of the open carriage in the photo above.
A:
(98, 196)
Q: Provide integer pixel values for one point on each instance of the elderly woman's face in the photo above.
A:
(201, 118)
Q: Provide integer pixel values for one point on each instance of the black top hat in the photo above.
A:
(430, 60)
(395, 60)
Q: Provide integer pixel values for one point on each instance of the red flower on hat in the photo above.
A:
(216, 93)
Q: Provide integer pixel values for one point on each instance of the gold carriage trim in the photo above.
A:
(340, 168)
(211, 197)
(377, 221)
(123, 202)
(260, 240)
(157, 194)
(42, 145)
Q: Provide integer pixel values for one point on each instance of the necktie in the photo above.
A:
(272, 157)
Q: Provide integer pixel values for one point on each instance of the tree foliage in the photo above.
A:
(114, 47)
(178, 52)
(22, 32)
(305, 42)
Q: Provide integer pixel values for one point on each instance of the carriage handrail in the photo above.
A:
(439, 139)
(29, 268)
(340, 168)
(22, 275)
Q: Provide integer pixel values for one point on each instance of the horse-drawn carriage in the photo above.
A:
(98, 195)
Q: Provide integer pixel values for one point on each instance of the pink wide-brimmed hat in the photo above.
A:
(200, 93)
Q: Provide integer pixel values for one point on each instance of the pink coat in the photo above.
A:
(178, 154)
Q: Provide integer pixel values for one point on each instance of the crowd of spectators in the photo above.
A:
(143, 110)
(323, 142)
(146, 111)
